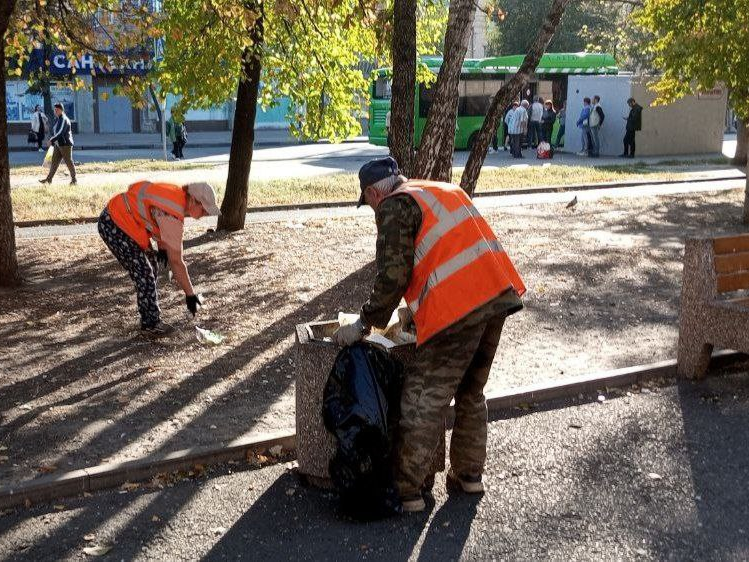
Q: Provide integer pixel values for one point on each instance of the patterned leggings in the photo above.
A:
(140, 264)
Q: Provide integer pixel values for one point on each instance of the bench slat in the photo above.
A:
(732, 263)
(733, 282)
(731, 244)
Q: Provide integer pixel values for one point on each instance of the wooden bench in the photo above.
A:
(709, 316)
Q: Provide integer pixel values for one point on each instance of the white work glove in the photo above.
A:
(349, 334)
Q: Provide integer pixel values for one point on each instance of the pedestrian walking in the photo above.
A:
(548, 119)
(634, 124)
(561, 117)
(534, 122)
(177, 133)
(39, 127)
(460, 286)
(597, 117)
(583, 123)
(155, 211)
(62, 141)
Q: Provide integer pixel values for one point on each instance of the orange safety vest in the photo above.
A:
(459, 265)
(131, 211)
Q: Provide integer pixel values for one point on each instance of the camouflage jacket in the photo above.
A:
(398, 223)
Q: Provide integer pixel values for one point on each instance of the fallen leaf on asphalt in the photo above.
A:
(3, 458)
(641, 551)
(98, 550)
(218, 530)
(276, 450)
(130, 486)
(3, 448)
(59, 507)
(89, 538)
(155, 519)
(290, 492)
(27, 503)
(654, 476)
(47, 468)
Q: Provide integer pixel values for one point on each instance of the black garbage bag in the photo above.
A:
(361, 403)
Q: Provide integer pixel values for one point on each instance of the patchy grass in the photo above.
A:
(133, 165)
(71, 202)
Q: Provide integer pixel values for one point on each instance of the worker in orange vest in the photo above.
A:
(155, 211)
(436, 250)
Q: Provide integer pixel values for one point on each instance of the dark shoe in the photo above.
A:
(74, 182)
(631, 156)
(160, 330)
(413, 504)
(467, 484)
(45, 180)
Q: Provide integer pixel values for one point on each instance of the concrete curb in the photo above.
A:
(340, 204)
(112, 475)
(100, 477)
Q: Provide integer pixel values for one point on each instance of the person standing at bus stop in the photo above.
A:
(634, 124)
(583, 123)
(62, 141)
(436, 250)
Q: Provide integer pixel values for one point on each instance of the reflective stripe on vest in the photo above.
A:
(452, 265)
(140, 200)
(459, 265)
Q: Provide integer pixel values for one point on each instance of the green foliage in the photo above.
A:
(590, 25)
(313, 53)
(698, 44)
(113, 31)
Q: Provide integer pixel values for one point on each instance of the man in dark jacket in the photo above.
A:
(634, 123)
(62, 140)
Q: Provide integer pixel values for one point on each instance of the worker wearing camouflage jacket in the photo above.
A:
(435, 250)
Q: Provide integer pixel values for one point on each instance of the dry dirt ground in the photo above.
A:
(79, 386)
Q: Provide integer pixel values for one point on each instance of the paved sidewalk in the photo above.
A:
(197, 139)
(482, 203)
(657, 474)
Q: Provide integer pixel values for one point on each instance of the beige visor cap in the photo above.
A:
(205, 194)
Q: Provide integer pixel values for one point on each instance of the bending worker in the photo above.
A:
(154, 211)
(435, 249)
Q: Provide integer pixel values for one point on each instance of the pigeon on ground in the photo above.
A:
(572, 203)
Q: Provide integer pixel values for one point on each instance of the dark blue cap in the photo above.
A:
(374, 171)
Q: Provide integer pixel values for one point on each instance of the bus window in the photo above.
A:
(383, 88)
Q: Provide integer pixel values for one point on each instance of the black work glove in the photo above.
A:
(162, 258)
(193, 302)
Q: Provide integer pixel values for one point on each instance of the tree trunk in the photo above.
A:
(506, 93)
(435, 155)
(234, 205)
(157, 105)
(404, 84)
(739, 159)
(9, 275)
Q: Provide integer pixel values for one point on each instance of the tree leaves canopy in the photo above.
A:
(698, 44)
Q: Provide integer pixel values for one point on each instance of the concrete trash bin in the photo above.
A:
(314, 360)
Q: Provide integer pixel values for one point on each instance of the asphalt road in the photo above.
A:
(652, 475)
(322, 158)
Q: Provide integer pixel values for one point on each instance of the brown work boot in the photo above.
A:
(413, 503)
(465, 483)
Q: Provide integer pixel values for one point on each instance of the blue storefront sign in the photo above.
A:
(60, 65)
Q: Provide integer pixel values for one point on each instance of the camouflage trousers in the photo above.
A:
(455, 363)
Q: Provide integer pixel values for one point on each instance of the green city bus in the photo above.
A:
(479, 81)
